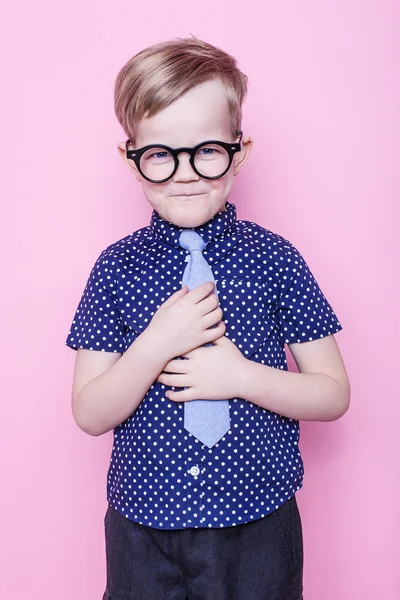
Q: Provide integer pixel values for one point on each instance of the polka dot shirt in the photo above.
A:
(159, 474)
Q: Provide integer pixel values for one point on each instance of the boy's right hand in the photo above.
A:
(182, 323)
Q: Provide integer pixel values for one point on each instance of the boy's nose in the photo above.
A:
(184, 171)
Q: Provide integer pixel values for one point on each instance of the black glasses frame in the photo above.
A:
(136, 155)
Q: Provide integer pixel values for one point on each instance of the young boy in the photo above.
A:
(192, 519)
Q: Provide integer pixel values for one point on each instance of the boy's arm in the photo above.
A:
(319, 392)
(109, 386)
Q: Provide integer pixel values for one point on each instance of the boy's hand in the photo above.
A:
(217, 372)
(182, 322)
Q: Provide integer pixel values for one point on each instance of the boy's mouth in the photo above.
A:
(186, 195)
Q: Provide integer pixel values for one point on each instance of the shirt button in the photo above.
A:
(194, 471)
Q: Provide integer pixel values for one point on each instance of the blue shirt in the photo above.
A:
(159, 474)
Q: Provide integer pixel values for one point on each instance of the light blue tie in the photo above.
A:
(207, 420)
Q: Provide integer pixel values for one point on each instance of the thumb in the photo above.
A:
(174, 297)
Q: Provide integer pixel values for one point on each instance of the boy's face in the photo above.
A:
(188, 200)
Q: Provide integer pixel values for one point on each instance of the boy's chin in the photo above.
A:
(190, 223)
(192, 218)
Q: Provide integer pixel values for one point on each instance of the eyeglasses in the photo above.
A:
(158, 163)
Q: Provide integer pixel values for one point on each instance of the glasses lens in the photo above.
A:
(157, 164)
(211, 160)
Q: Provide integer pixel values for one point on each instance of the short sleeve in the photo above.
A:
(97, 324)
(304, 312)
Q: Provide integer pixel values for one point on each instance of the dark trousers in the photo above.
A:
(260, 560)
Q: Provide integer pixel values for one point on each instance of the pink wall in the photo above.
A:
(323, 108)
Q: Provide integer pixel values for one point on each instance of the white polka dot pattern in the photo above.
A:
(159, 474)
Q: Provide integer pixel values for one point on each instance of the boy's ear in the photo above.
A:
(129, 163)
(241, 157)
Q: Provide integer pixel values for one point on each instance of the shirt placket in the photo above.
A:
(194, 490)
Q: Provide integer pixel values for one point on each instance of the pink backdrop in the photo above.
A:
(323, 108)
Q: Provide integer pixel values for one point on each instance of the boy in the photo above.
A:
(186, 518)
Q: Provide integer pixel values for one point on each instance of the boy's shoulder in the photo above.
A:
(141, 238)
(126, 251)
(264, 239)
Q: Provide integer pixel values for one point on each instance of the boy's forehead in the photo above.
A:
(202, 113)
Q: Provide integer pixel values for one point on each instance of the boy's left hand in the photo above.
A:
(216, 372)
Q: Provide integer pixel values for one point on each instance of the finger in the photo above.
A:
(181, 396)
(201, 291)
(176, 366)
(179, 294)
(208, 304)
(212, 318)
(173, 380)
(214, 333)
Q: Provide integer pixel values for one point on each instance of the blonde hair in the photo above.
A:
(160, 74)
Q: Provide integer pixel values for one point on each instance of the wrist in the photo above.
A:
(243, 377)
(155, 345)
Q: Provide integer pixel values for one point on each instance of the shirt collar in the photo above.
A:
(212, 229)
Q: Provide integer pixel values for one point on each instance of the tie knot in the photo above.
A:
(190, 240)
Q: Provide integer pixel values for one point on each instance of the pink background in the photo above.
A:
(323, 108)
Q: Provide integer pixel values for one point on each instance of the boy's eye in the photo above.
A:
(208, 151)
(160, 154)
(156, 155)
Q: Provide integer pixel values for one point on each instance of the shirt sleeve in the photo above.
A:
(304, 312)
(97, 324)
